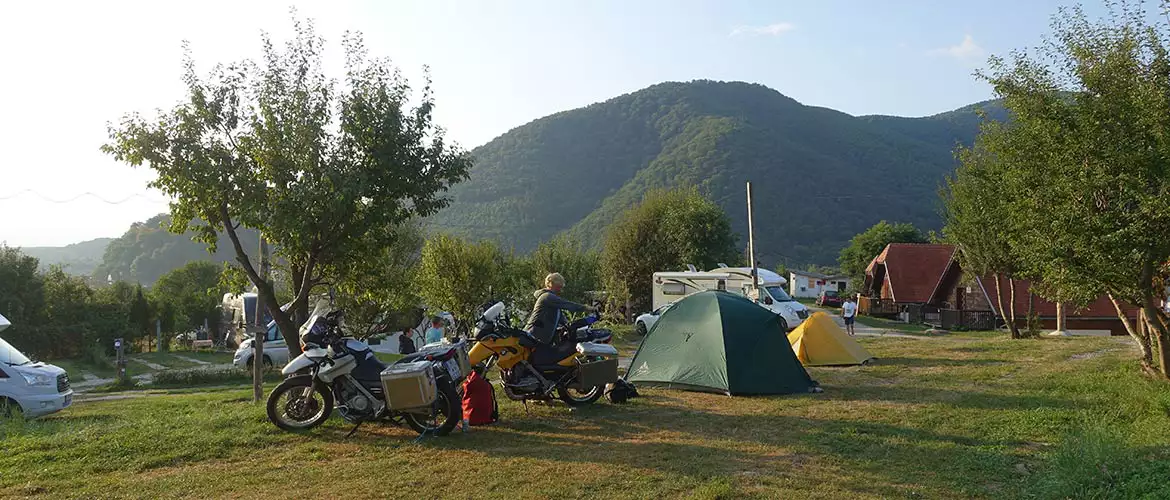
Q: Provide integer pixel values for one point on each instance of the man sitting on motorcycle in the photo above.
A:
(546, 312)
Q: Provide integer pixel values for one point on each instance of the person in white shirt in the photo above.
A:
(849, 311)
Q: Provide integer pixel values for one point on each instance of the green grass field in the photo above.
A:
(961, 416)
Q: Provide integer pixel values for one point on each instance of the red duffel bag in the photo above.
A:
(479, 400)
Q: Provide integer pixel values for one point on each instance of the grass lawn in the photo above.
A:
(954, 417)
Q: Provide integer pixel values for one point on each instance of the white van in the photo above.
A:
(671, 286)
(30, 388)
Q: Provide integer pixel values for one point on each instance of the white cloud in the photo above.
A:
(967, 50)
(769, 30)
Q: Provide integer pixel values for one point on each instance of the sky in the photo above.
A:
(68, 69)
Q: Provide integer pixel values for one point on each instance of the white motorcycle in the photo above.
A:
(339, 370)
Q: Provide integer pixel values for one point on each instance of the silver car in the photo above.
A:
(30, 388)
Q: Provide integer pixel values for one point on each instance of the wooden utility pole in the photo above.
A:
(261, 330)
(752, 247)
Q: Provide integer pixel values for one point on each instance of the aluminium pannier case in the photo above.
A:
(409, 385)
(462, 359)
(594, 373)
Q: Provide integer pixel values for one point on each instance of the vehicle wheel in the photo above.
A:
(10, 409)
(290, 408)
(640, 329)
(574, 397)
(783, 324)
(445, 414)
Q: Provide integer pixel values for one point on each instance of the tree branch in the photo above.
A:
(241, 255)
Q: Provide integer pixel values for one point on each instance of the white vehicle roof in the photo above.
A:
(766, 276)
(692, 275)
(4, 323)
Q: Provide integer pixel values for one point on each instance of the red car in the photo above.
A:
(830, 298)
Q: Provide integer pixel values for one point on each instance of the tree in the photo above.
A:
(380, 292)
(192, 293)
(459, 276)
(666, 231)
(867, 245)
(326, 172)
(1082, 166)
(22, 299)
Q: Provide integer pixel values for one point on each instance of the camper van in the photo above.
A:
(671, 286)
(30, 387)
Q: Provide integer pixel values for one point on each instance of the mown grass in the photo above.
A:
(954, 417)
(890, 324)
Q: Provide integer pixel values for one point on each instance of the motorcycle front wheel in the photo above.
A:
(292, 408)
(574, 397)
(445, 413)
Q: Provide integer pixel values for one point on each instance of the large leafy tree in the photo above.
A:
(191, 293)
(459, 276)
(666, 231)
(854, 258)
(580, 266)
(327, 171)
(1084, 166)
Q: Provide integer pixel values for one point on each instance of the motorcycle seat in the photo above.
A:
(545, 356)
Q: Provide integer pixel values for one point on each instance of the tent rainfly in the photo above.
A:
(820, 342)
(719, 342)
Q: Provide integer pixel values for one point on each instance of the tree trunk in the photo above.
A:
(1060, 316)
(1012, 307)
(264, 289)
(1158, 332)
(1003, 312)
(1142, 341)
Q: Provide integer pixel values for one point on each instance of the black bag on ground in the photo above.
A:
(621, 391)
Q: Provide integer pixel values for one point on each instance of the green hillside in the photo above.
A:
(147, 250)
(77, 258)
(819, 176)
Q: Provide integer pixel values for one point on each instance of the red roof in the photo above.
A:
(1100, 308)
(913, 269)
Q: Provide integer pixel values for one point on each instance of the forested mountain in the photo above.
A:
(148, 250)
(77, 258)
(818, 176)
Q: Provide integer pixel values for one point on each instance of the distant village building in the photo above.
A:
(808, 284)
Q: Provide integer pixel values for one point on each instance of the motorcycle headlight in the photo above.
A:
(37, 379)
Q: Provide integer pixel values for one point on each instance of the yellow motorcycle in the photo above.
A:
(576, 367)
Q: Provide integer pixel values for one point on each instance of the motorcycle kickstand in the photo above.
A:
(355, 428)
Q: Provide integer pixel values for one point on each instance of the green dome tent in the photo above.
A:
(719, 342)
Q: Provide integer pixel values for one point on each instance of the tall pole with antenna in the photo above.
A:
(752, 247)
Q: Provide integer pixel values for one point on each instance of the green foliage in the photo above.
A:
(666, 231)
(81, 258)
(819, 176)
(190, 294)
(380, 290)
(459, 276)
(327, 171)
(867, 245)
(194, 377)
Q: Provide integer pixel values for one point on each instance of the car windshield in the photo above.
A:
(12, 357)
(662, 309)
(830, 293)
(778, 294)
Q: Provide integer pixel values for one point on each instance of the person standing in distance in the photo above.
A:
(849, 312)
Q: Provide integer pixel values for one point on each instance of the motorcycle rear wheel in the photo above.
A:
(446, 412)
(296, 412)
(573, 397)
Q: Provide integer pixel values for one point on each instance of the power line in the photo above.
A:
(86, 194)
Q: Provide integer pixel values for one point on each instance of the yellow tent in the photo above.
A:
(820, 342)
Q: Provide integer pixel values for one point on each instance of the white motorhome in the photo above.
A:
(771, 294)
(671, 286)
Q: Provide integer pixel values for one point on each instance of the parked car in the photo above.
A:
(830, 298)
(29, 387)
(645, 322)
(275, 351)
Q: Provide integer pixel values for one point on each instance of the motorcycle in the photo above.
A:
(338, 371)
(576, 367)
